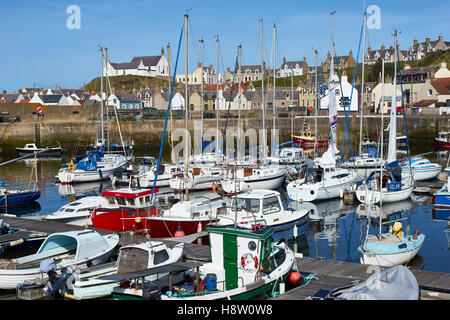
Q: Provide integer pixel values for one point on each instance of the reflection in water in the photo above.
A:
(443, 215)
(84, 189)
(26, 210)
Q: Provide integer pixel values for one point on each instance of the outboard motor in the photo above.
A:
(48, 266)
(151, 292)
(3, 228)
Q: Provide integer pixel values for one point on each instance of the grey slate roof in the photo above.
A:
(92, 103)
(123, 97)
(125, 65)
(292, 64)
(146, 60)
(10, 97)
(51, 98)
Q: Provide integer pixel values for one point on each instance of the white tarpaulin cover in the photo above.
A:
(396, 283)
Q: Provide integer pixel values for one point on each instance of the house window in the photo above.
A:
(430, 92)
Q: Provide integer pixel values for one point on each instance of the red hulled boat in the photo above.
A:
(134, 211)
(442, 141)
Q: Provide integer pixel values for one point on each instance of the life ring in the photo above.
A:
(249, 263)
(71, 166)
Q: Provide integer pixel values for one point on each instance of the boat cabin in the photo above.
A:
(207, 205)
(389, 182)
(248, 171)
(258, 202)
(239, 255)
(129, 197)
(31, 146)
(143, 256)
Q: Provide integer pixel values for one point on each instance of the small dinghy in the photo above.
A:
(17, 197)
(84, 247)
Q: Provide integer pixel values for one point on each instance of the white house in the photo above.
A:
(178, 102)
(388, 91)
(292, 68)
(149, 66)
(244, 99)
(36, 98)
(346, 93)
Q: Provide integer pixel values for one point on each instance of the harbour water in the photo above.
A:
(334, 230)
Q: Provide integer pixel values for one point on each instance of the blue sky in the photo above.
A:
(36, 47)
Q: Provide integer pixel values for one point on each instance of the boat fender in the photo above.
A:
(179, 233)
(138, 219)
(294, 277)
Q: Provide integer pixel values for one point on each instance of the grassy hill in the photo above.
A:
(126, 83)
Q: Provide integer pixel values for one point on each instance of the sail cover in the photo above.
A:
(392, 147)
(396, 283)
(332, 110)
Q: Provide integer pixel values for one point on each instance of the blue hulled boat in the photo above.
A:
(441, 198)
(16, 197)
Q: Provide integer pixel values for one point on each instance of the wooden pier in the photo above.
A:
(333, 274)
(330, 274)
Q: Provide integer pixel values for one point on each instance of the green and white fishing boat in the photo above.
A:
(245, 263)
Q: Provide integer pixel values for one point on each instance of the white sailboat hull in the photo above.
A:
(319, 190)
(391, 259)
(78, 176)
(369, 196)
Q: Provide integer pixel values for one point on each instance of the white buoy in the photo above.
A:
(295, 232)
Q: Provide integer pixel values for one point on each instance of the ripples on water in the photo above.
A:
(334, 230)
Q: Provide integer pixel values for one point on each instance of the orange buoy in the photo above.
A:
(294, 277)
(179, 233)
(138, 219)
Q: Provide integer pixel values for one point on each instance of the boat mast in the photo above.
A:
(262, 90)
(217, 98)
(274, 87)
(170, 86)
(382, 136)
(238, 154)
(202, 105)
(186, 105)
(316, 106)
(362, 83)
(106, 95)
(101, 95)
